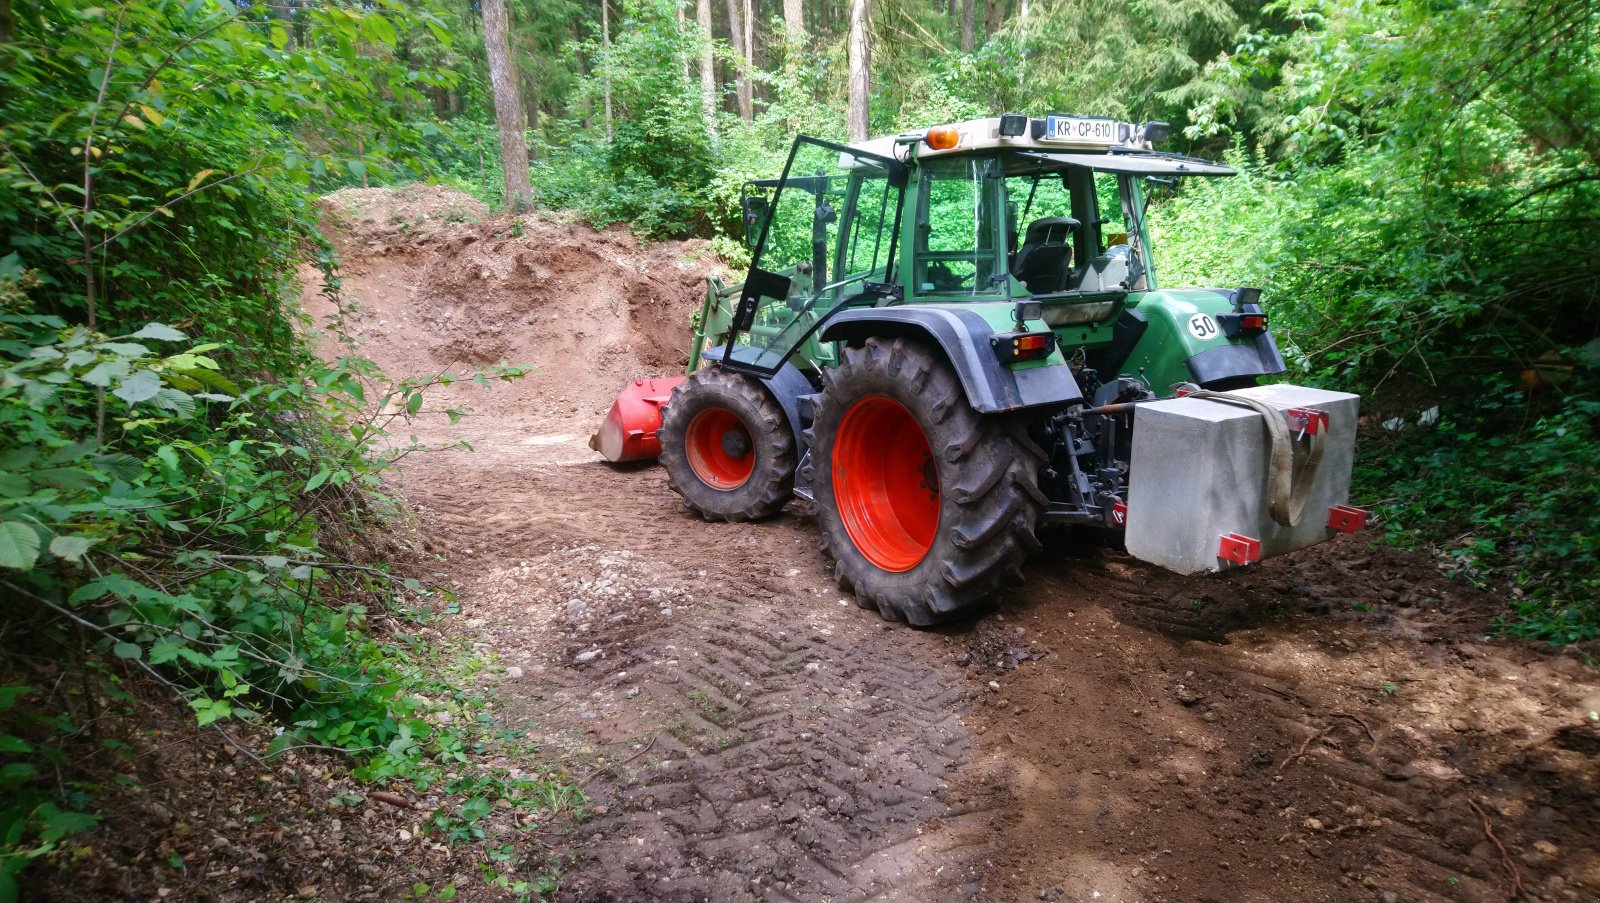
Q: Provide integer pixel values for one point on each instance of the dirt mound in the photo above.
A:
(404, 210)
(588, 310)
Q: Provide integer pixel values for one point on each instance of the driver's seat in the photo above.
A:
(1046, 254)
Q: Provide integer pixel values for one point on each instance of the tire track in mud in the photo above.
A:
(798, 749)
(807, 762)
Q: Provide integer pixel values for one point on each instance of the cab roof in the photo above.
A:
(1095, 142)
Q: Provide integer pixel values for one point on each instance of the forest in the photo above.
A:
(195, 502)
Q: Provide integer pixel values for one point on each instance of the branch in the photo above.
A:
(100, 98)
(179, 199)
(1552, 186)
(177, 690)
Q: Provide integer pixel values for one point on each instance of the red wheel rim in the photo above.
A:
(719, 449)
(886, 483)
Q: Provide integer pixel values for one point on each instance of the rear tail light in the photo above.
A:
(1236, 325)
(1023, 346)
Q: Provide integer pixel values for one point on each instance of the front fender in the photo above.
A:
(963, 334)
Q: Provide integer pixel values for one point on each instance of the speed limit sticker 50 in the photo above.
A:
(1202, 327)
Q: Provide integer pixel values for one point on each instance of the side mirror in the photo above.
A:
(755, 217)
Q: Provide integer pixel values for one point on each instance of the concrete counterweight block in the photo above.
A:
(1200, 472)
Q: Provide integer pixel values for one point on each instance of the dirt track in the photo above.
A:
(1318, 728)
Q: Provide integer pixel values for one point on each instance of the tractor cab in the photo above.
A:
(996, 210)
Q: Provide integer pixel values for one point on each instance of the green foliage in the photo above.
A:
(1419, 204)
(654, 170)
(1505, 507)
(184, 501)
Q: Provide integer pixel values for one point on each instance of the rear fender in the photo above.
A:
(1184, 343)
(963, 335)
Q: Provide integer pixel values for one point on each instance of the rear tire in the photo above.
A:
(926, 507)
(727, 447)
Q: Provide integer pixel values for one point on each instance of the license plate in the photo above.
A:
(1080, 130)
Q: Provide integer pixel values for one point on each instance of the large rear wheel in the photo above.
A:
(727, 447)
(925, 505)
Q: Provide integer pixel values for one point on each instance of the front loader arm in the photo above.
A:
(711, 323)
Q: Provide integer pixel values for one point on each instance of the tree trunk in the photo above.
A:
(860, 69)
(508, 110)
(683, 30)
(605, 38)
(280, 10)
(750, 51)
(741, 77)
(794, 21)
(708, 70)
(994, 16)
(969, 15)
(530, 104)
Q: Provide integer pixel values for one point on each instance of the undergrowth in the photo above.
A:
(1507, 490)
(189, 498)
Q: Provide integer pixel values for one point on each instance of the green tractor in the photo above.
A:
(950, 339)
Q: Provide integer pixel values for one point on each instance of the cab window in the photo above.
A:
(1113, 224)
(957, 228)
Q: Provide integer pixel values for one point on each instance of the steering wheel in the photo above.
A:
(943, 279)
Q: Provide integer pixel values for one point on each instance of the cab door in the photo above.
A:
(828, 242)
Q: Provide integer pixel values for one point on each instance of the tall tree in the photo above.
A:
(860, 69)
(994, 15)
(969, 15)
(605, 38)
(509, 113)
(794, 21)
(741, 78)
(708, 70)
(683, 29)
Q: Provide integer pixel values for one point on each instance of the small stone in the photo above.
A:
(1389, 896)
(584, 658)
(1187, 697)
(1313, 824)
(632, 692)
(576, 608)
(963, 658)
(513, 672)
(588, 715)
(404, 835)
(994, 686)
(443, 717)
(1547, 848)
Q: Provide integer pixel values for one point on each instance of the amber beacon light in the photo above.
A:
(943, 137)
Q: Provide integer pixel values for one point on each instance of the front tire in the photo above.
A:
(925, 506)
(727, 447)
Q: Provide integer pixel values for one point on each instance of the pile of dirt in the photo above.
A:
(428, 284)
